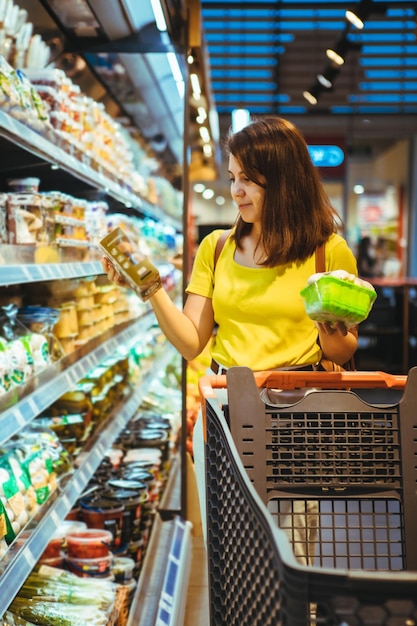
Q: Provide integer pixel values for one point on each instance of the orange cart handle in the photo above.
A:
(293, 379)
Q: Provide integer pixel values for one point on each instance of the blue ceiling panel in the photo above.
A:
(268, 53)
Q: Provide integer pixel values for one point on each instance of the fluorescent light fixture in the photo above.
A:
(176, 72)
(240, 119)
(310, 97)
(195, 84)
(335, 56)
(204, 134)
(159, 15)
(175, 66)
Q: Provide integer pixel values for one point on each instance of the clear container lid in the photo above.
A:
(24, 185)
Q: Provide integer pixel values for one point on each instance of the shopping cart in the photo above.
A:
(357, 461)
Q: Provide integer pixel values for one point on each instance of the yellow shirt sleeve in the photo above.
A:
(202, 274)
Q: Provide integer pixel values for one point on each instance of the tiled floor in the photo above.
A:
(197, 606)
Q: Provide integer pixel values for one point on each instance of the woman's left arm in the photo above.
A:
(338, 343)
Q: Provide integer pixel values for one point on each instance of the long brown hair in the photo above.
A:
(297, 214)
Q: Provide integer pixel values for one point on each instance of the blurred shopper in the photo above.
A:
(366, 257)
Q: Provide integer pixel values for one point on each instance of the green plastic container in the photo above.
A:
(332, 299)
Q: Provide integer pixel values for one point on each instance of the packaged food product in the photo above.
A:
(122, 569)
(53, 549)
(338, 297)
(128, 259)
(99, 566)
(91, 543)
(67, 324)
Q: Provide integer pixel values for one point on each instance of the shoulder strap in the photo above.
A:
(220, 244)
(321, 258)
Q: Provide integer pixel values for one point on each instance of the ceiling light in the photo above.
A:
(202, 115)
(195, 84)
(335, 56)
(204, 134)
(220, 200)
(354, 19)
(358, 189)
(208, 194)
(360, 13)
(208, 150)
(324, 81)
(199, 187)
(310, 97)
(240, 119)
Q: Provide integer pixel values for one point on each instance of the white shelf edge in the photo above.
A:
(20, 273)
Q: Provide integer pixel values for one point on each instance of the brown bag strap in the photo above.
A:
(325, 363)
(320, 258)
(220, 245)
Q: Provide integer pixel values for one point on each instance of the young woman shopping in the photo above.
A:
(252, 292)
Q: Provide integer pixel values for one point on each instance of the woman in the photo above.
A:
(253, 292)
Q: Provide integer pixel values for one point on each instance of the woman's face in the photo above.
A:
(248, 196)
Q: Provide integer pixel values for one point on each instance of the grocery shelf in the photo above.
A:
(37, 272)
(47, 149)
(51, 383)
(23, 554)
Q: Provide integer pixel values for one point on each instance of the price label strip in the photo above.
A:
(176, 576)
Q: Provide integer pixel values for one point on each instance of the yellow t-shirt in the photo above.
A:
(261, 317)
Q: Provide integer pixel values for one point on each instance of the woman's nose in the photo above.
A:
(237, 189)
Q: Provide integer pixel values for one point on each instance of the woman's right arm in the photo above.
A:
(189, 330)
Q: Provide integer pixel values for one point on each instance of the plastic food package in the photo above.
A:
(338, 297)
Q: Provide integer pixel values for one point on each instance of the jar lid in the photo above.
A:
(119, 483)
(140, 464)
(152, 434)
(126, 495)
(100, 505)
(138, 473)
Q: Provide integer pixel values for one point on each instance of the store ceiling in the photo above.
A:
(259, 55)
(265, 54)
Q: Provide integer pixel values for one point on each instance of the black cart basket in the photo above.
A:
(352, 462)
